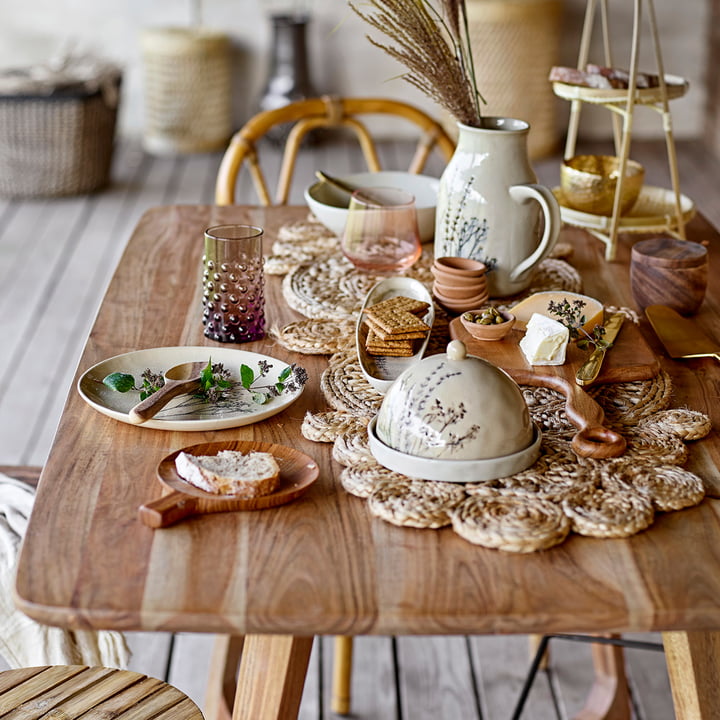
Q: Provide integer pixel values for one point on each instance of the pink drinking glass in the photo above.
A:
(381, 234)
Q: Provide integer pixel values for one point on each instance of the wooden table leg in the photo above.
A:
(609, 698)
(342, 675)
(222, 678)
(693, 661)
(271, 677)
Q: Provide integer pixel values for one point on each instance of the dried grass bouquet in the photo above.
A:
(431, 38)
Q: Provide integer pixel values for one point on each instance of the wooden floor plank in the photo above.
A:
(374, 693)
(436, 679)
(190, 663)
(502, 663)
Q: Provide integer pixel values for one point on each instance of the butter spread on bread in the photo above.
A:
(230, 472)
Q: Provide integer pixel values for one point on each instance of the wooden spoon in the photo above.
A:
(179, 379)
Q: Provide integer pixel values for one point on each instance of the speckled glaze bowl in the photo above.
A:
(453, 407)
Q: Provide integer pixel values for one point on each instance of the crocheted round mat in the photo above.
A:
(536, 509)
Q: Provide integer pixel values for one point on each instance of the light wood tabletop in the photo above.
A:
(322, 564)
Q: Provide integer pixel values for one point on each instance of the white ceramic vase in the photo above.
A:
(490, 205)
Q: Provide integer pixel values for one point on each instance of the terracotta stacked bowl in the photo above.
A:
(460, 283)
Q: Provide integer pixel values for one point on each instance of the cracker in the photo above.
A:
(509, 523)
(389, 352)
(372, 340)
(383, 335)
(398, 303)
(399, 322)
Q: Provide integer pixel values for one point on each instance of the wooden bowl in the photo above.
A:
(589, 181)
(488, 332)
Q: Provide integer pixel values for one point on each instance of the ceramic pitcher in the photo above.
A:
(490, 206)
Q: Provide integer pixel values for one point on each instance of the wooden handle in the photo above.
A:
(168, 510)
(152, 405)
(593, 439)
(598, 442)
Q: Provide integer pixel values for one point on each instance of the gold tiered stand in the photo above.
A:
(657, 209)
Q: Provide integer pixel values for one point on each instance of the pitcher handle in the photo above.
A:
(551, 231)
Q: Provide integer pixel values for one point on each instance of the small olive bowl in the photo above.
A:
(588, 183)
(496, 331)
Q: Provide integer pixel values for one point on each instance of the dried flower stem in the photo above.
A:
(434, 44)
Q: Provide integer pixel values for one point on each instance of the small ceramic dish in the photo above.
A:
(459, 292)
(458, 281)
(380, 370)
(496, 331)
(459, 306)
(454, 266)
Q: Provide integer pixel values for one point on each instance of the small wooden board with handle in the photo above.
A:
(630, 358)
(297, 473)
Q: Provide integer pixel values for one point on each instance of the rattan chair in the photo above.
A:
(305, 116)
(76, 691)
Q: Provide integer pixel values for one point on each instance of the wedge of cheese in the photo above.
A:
(538, 303)
(545, 341)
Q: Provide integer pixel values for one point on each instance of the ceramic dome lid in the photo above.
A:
(455, 406)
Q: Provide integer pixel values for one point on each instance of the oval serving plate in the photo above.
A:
(380, 370)
(185, 412)
(297, 473)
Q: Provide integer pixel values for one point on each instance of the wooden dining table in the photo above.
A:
(323, 564)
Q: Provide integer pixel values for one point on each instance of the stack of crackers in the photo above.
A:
(394, 325)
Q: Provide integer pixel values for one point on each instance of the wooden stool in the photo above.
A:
(70, 691)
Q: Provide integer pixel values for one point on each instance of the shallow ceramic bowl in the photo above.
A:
(330, 205)
(457, 280)
(455, 406)
(458, 306)
(489, 332)
(453, 266)
(588, 183)
(460, 292)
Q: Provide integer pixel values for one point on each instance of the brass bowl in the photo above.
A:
(588, 183)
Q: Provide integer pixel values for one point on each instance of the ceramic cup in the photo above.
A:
(233, 291)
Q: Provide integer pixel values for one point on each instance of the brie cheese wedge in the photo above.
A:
(545, 341)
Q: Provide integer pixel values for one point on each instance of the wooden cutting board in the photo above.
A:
(630, 358)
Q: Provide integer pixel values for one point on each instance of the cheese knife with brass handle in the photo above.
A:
(590, 369)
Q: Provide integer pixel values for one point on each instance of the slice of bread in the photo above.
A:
(230, 472)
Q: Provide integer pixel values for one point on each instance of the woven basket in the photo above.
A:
(516, 42)
(187, 75)
(58, 144)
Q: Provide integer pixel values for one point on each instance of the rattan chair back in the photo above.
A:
(314, 113)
